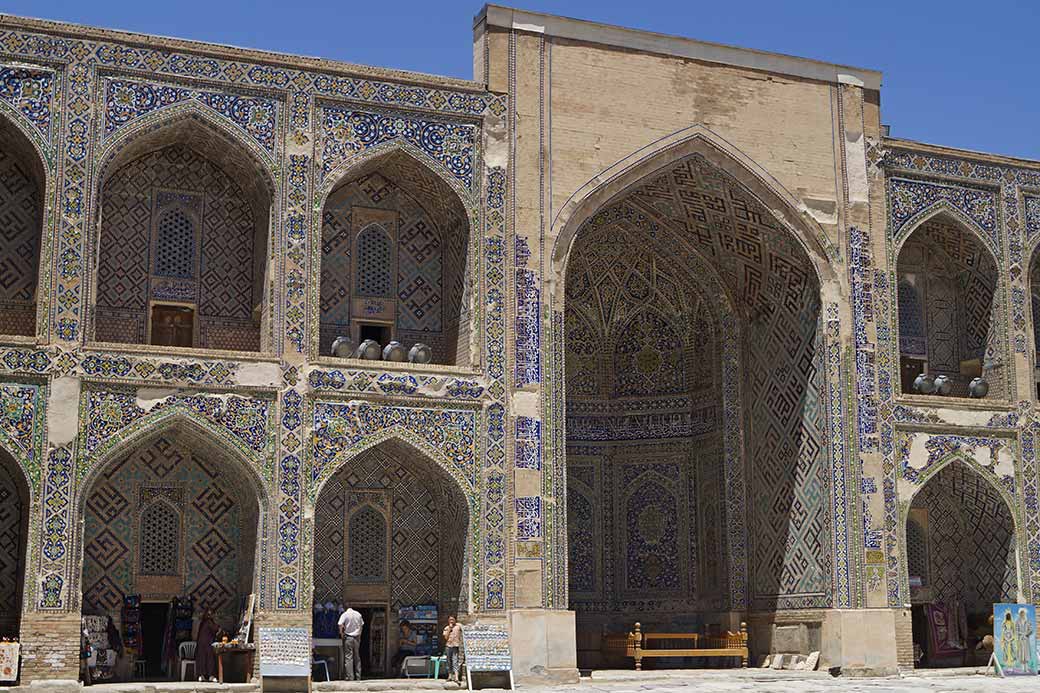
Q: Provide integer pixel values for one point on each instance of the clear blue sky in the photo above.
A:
(964, 74)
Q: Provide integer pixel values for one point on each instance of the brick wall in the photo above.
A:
(50, 646)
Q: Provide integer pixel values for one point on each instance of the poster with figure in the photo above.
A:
(1014, 638)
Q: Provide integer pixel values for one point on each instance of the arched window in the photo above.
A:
(175, 245)
(366, 559)
(160, 540)
(374, 263)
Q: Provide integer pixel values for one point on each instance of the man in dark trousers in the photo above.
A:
(350, 625)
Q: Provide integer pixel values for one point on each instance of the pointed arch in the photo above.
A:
(181, 122)
(246, 486)
(431, 220)
(981, 475)
(409, 490)
(232, 180)
(24, 245)
(396, 434)
(959, 283)
(657, 156)
(155, 424)
(948, 212)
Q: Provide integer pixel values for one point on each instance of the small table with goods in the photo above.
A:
(230, 649)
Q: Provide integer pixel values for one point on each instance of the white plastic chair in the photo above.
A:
(317, 662)
(186, 653)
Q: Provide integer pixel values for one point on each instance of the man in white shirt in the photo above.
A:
(350, 625)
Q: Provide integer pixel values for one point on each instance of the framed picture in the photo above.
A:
(1014, 638)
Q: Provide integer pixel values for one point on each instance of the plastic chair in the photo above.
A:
(323, 663)
(140, 669)
(415, 666)
(186, 653)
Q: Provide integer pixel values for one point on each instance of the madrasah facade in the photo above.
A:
(671, 298)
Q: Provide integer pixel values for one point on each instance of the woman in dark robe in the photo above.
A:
(205, 659)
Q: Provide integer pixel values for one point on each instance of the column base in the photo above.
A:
(544, 646)
(862, 642)
(50, 647)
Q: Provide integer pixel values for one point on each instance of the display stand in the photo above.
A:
(487, 651)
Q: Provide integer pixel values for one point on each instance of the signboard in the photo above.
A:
(417, 630)
(487, 648)
(9, 661)
(285, 652)
(1014, 638)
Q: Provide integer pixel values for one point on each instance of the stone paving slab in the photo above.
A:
(769, 681)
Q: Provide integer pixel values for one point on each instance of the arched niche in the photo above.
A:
(391, 528)
(15, 501)
(22, 204)
(961, 557)
(182, 246)
(946, 282)
(660, 281)
(394, 217)
(170, 514)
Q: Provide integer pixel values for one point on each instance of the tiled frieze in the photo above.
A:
(345, 132)
(22, 418)
(493, 553)
(126, 100)
(31, 93)
(448, 435)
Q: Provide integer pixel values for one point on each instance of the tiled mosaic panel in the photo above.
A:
(639, 538)
(426, 537)
(21, 211)
(217, 526)
(219, 228)
(769, 274)
(970, 543)
(13, 525)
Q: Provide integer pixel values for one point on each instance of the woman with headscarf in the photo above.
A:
(205, 658)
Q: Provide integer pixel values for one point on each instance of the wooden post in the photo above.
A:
(743, 643)
(639, 647)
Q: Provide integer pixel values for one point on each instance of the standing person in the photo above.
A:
(452, 646)
(350, 625)
(205, 657)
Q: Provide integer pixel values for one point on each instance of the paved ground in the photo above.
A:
(766, 681)
(721, 681)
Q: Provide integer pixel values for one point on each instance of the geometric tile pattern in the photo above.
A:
(389, 483)
(158, 536)
(771, 279)
(430, 253)
(956, 278)
(970, 545)
(21, 211)
(417, 254)
(207, 263)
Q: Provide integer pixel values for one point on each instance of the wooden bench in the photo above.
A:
(638, 645)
